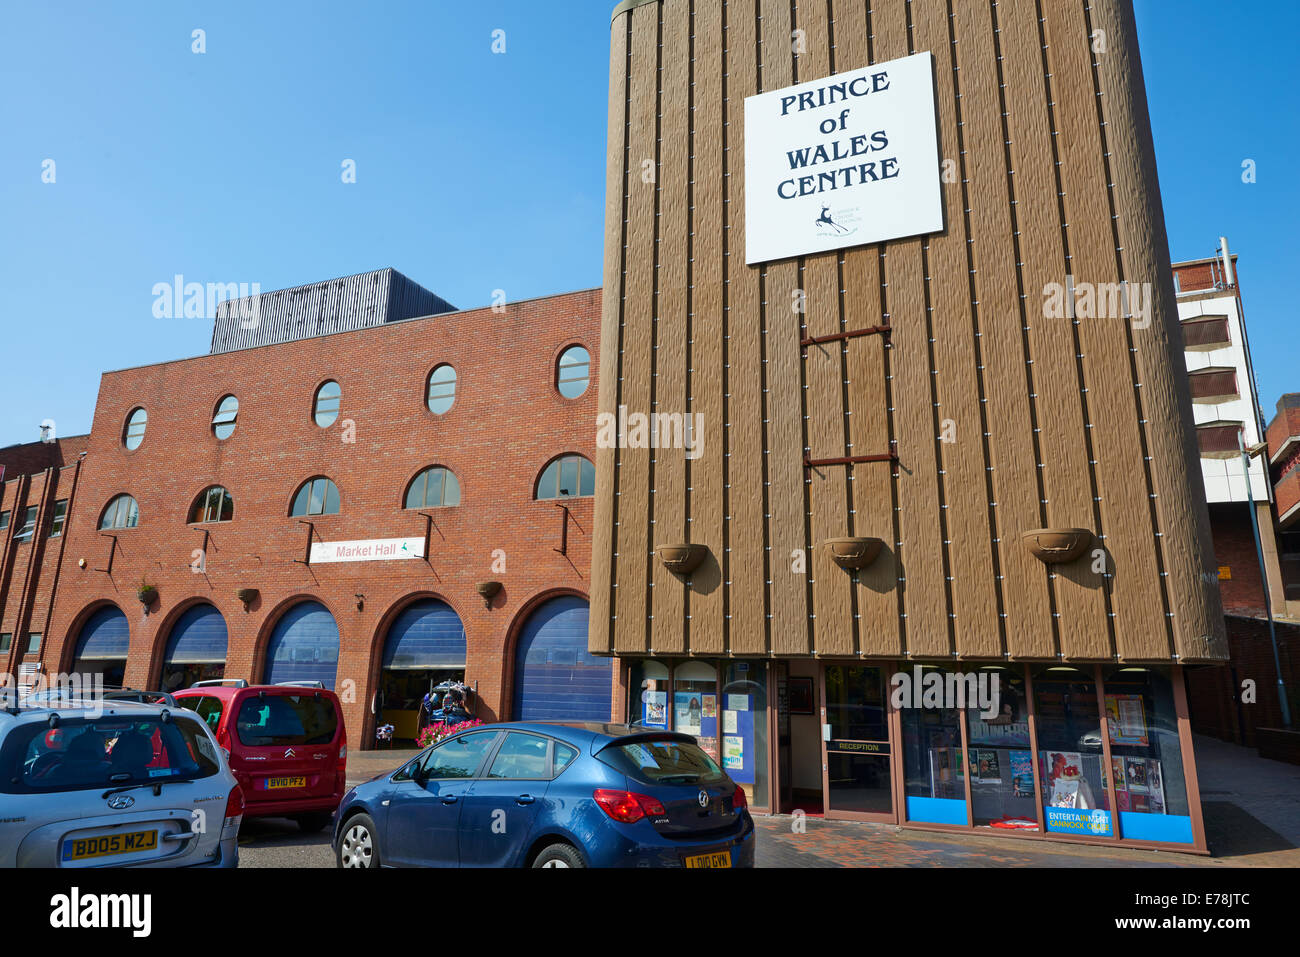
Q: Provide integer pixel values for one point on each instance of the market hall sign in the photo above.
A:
(845, 161)
(377, 550)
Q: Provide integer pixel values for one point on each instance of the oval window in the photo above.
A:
(328, 398)
(223, 423)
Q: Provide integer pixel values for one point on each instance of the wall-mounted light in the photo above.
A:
(361, 601)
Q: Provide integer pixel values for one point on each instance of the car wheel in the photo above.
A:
(311, 823)
(559, 855)
(358, 846)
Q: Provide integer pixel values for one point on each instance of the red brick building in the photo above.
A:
(326, 446)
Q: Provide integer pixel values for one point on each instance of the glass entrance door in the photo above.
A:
(855, 743)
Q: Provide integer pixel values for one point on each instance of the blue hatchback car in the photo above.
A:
(538, 794)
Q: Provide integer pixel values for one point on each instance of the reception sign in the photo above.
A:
(377, 550)
(844, 161)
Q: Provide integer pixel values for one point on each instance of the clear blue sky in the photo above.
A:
(475, 171)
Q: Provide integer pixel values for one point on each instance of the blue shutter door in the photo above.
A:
(104, 637)
(198, 638)
(427, 636)
(304, 646)
(555, 677)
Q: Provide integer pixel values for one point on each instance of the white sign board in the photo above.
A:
(845, 161)
(377, 550)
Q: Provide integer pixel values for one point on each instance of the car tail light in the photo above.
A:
(628, 807)
(738, 800)
(235, 803)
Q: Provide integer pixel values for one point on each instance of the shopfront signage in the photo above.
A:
(375, 550)
(844, 161)
(863, 747)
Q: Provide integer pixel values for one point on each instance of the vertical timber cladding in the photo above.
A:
(1006, 416)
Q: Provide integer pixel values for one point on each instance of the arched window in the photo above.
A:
(433, 488)
(223, 422)
(133, 431)
(318, 496)
(121, 512)
(570, 476)
(442, 390)
(328, 398)
(573, 372)
(213, 505)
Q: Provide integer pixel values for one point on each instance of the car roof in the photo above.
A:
(74, 707)
(588, 733)
(229, 691)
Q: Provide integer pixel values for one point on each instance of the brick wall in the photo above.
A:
(1234, 547)
(507, 423)
(1214, 693)
(34, 457)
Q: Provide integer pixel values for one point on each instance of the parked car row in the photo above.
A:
(146, 779)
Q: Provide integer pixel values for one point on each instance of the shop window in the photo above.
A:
(121, 512)
(223, 421)
(1146, 756)
(570, 476)
(133, 431)
(433, 488)
(1001, 763)
(60, 515)
(648, 700)
(573, 372)
(1070, 753)
(28, 528)
(213, 505)
(325, 410)
(318, 496)
(744, 729)
(934, 762)
(695, 704)
(442, 390)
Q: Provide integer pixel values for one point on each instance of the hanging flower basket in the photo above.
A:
(436, 732)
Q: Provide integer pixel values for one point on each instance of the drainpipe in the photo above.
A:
(1263, 577)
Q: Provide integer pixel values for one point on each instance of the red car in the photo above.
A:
(288, 747)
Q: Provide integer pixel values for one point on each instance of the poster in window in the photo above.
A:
(1022, 774)
(709, 703)
(1117, 772)
(1065, 793)
(656, 708)
(733, 752)
(1127, 719)
(1136, 769)
(988, 767)
(687, 712)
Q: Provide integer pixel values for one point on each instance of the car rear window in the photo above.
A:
(278, 720)
(110, 751)
(663, 762)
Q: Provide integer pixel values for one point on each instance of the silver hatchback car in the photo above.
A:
(103, 783)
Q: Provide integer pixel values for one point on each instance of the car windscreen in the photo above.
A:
(663, 762)
(109, 751)
(280, 720)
